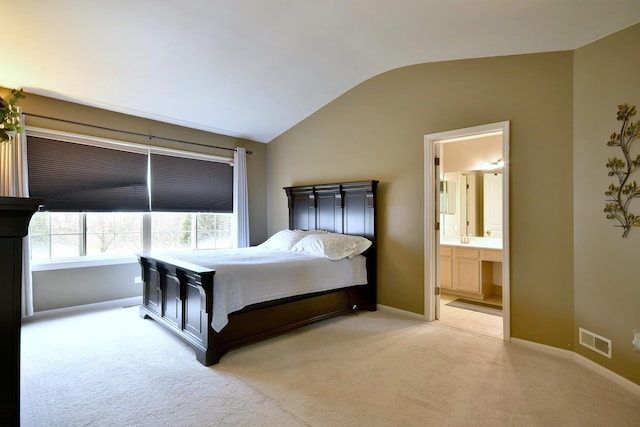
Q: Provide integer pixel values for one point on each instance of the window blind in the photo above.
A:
(181, 184)
(78, 177)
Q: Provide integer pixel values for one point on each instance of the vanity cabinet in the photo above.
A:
(494, 255)
(467, 271)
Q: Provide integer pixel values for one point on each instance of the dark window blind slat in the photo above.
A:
(78, 177)
(188, 185)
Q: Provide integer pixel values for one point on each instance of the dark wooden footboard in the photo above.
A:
(179, 296)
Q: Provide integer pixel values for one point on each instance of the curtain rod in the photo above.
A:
(131, 133)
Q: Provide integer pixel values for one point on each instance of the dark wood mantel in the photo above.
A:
(15, 214)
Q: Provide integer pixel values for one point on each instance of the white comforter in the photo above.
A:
(252, 275)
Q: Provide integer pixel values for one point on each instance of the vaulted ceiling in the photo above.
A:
(255, 68)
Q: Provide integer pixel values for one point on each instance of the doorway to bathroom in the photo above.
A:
(466, 240)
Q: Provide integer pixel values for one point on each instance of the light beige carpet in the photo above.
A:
(112, 368)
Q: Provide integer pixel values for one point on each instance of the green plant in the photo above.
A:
(10, 124)
(624, 191)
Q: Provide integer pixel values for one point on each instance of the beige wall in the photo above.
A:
(607, 284)
(376, 131)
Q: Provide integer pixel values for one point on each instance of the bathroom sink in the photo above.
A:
(475, 242)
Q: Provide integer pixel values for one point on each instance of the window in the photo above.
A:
(113, 232)
(213, 231)
(177, 230)
(56, 235)
(104, 197)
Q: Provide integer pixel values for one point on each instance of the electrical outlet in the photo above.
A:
(636, 340)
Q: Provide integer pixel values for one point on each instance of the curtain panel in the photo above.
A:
(241, 198)
(14, 183)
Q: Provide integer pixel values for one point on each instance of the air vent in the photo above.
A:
(595, 342)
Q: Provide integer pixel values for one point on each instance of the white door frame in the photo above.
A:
(431, 217)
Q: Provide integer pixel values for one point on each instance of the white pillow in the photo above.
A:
(284, 240)
(334, 246)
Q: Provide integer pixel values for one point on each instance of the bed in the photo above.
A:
(178, 290)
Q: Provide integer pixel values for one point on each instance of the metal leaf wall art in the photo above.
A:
(621, 193)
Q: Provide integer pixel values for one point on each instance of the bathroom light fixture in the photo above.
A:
(473, 136)
(489, 166)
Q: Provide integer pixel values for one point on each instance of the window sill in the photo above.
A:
(69, 263)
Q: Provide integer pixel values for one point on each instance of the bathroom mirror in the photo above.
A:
(476, 209)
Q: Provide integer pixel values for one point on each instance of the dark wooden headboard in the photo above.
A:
(346, 207)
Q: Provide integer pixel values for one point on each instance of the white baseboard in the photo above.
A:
(401, 312)
(543, 348)
(581, 360)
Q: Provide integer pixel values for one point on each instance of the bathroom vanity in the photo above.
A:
(473, 269)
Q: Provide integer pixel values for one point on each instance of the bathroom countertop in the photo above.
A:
(475, 242)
